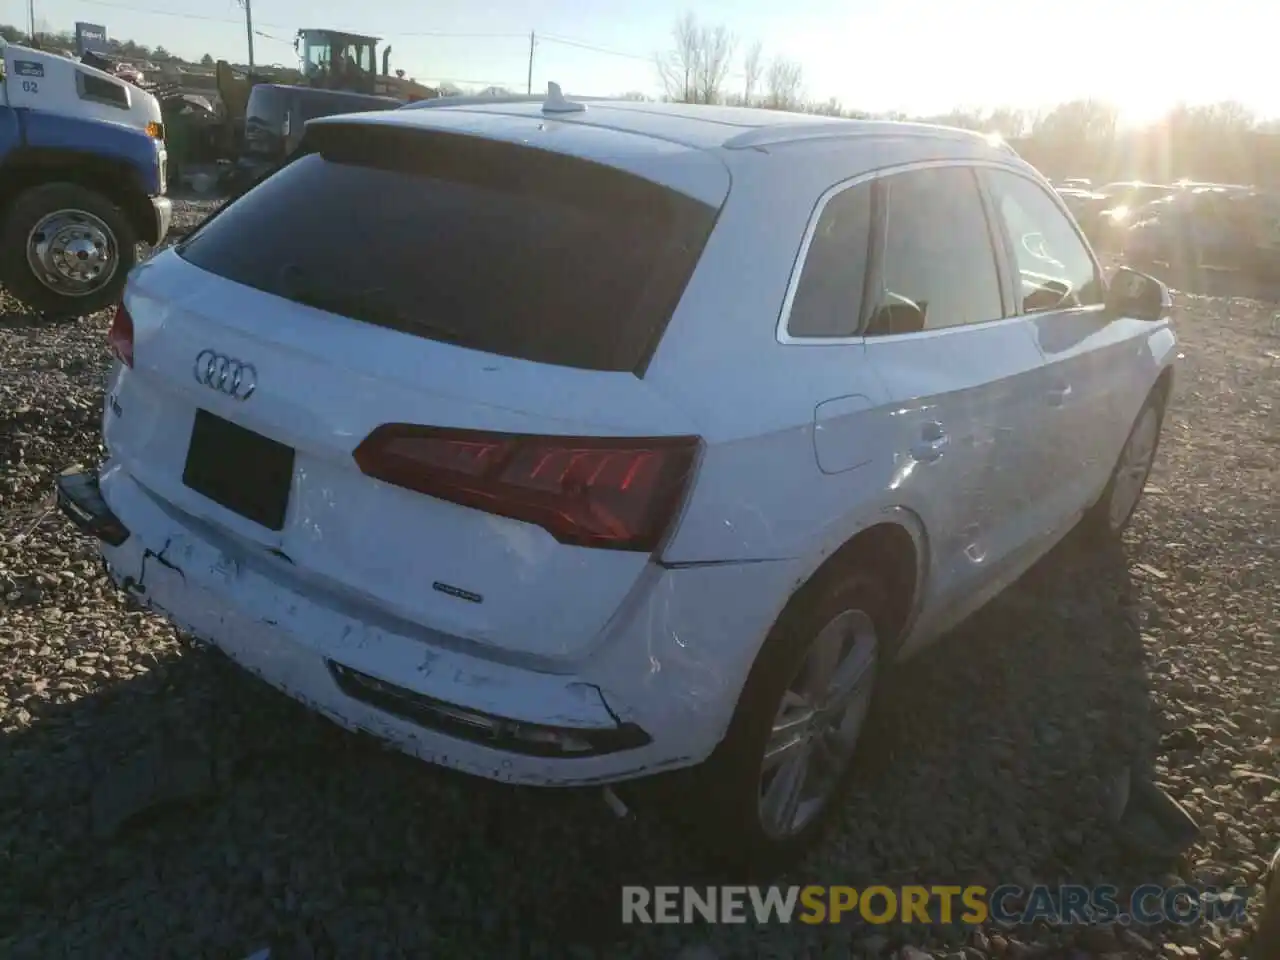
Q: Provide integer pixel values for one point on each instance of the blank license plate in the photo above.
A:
(245, 472)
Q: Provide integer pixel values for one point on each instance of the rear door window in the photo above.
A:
(492, 246)
(938, 267)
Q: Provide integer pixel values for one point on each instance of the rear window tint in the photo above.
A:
(492, 246)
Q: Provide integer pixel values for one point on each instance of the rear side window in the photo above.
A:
(938, 267)
(1055, 269)
(488, 245)
(828, 297)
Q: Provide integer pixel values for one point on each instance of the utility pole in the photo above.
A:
(248, 29)
(528, 86)
(31, 20)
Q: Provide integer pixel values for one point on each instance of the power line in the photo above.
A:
(461, 36)
(582, 45)
(595, 48)
(441, 34)
(481, 83)
(183, 15)
(173, 13)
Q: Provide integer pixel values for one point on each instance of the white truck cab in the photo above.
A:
(82, 181)
(38, 80)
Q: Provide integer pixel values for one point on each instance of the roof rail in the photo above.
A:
(775, 133)
(469, 99)
(831, 128)
(476, 99)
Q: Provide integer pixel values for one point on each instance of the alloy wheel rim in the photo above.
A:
(817, 725)
(72, 252)
(1133, 469)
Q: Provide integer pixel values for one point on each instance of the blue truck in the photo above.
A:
(82, 181)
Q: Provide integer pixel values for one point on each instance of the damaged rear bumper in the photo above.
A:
(657, 693)
(651, 702)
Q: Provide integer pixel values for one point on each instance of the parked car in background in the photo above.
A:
(1221, 228)
(1205, 184)
(1134, 193)
(276, 116)
(1087, 207)
(1123, 201)
(621, 441)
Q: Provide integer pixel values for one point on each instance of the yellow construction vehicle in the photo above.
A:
(334, 60)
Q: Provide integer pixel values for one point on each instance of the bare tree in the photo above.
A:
(752, 68)
(831, 108)
(1008, 122)
(679, 69)
(695, 71)
(961, 117)
(783, 84)
(713, 62)
(1078, 121)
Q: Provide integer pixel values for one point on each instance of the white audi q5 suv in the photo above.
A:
(575, 443)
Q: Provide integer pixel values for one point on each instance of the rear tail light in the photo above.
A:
(120, 337)
(614, 493)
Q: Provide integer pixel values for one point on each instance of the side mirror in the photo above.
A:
(1137, 295)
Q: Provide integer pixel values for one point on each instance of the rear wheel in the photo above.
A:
(66, 250)
(766, 793)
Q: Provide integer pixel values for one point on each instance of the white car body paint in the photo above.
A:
(804, 444)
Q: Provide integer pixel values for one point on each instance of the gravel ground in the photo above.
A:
(993, 758)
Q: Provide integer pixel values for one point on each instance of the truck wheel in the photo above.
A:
(66, 250)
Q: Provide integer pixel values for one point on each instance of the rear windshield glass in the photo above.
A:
(492, 246)
(263, 118)
(266, 103)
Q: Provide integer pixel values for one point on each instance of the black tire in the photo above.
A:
(1097, 524)
(719, 801)
(27, 210)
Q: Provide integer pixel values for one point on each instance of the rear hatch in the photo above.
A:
(406, 368)
(267, 121)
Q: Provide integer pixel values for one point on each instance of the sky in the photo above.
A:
(918, 56)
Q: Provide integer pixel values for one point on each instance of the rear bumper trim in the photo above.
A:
(81, 502)
(499, 733)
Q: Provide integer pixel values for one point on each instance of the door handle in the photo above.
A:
(1059, 394)
(933, 442)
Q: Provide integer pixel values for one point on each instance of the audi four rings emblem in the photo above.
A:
(225, 374)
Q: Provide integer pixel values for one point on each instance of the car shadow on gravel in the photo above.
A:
(986, 761)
